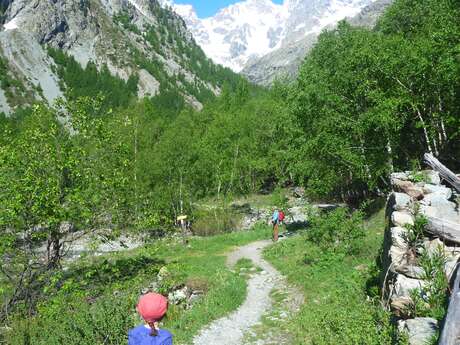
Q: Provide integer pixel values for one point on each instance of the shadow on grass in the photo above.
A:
(107, 271)
(295, 227)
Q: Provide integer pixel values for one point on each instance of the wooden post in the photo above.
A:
(445, 173)
(450, 334)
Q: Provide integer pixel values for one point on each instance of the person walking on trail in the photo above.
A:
(275, 222)
(281, 217)
(151, 307)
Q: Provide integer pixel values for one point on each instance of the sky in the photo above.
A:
(207, 8)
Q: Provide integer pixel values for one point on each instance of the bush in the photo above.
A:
(337, 231)
(431, 300)
(216, 221)
(78, 321)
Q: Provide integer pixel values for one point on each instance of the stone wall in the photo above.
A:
(415, 195)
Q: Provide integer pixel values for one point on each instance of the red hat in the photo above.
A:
(152, 306)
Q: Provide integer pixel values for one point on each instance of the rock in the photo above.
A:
(437, 200)
(153, 286)
(66, 228)
(402, 176)
(195, 296)
(327, 207)
(431, 188)
(447, 211)
(404, 285)
(400, 305)
(403, 263)
(397, 237)
(421, 330)
(298, 192)
(400, 201)
(415, 193)
(297, 215)
(253, 217)
(402, 218)
(450, 266)
(148, 86)
(428, 211)
(178, 296)
(411, 271)
(163, 273)
(409, 188)
(432, 177)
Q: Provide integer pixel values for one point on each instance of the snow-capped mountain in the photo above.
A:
(251, 29)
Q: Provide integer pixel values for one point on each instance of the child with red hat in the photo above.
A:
(152, 307)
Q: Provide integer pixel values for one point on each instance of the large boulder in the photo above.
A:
(404, 285)
(399, 201)
(431, 188)
(420, 330)
(401, 219)
(398, 237)
(401, 176)
(407, 187)
(437, 200)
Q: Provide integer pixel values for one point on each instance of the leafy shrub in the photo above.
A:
(216, 221)
(343, 300)
(170, 278)
(337, 231)
(431, 300)
(353, 323)
(78, 321)
(415, 233)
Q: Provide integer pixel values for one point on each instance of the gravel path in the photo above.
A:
(231, 330)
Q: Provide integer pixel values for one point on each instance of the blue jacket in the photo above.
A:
(275, 217)
(141, 336)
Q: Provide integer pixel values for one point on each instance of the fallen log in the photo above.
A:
(450, 334)
(443, 229)
(445, 173)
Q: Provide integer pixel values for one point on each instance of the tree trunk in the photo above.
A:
(445, 173)
(444, 229)
(450, 334)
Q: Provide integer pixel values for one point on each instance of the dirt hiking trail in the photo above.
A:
(240, 327)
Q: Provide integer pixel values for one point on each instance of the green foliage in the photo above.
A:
(15, 91)
(89, 81)
(123, 19)
(279, 199)
(431, 300)
(215, 221)
(50, 176)
(371, 101)
(340, 307)
(102, 311)
(337, 231)
(415, 234)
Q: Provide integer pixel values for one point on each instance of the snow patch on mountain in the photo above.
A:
(11, 25)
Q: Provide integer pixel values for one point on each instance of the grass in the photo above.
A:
(341, 291)
(94, 303)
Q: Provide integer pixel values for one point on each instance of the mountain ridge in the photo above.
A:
(263, 40)
(131, 37)
(251, 29)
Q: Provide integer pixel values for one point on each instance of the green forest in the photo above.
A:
(366, 102)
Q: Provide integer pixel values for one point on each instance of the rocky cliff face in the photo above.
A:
(116, 33)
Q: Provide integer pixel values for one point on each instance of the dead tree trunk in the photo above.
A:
(445, 173)
(450, 334)
(444, 229)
